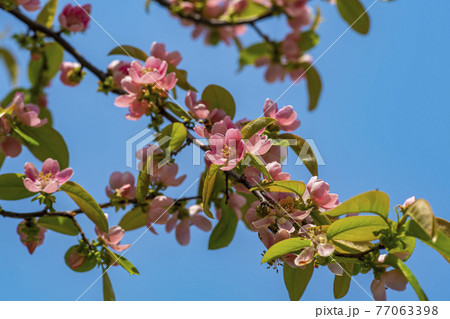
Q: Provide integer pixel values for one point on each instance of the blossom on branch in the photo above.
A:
(75, 18)
(48, 180)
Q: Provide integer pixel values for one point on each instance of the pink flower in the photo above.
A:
(239, 5)
(122, 185)
(258, 145)
(409, 201)
(119, 70)
(75, 18)
(319, 192)
(393, 279)
(75, 259)
(199, 109)
(166, 175)
(320, 246)
(275, 154)
(286, 117)
(153, 70)
(227, 150)
(28, 114)
(48, 180)
(181, 220)
(290, 47)
(236, 202)
(252, 175)
(158, 211)
(158, 50)
(167, 83)
(274, 72)
(298, 12)
(275, 172)
(31, 234)
(222, 126)
(113, 237)
(29, 5)
(137, 106)
(9, 145)
(71, 73)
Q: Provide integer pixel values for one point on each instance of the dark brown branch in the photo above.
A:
(33, 25)
(215, 23)
(83, 236)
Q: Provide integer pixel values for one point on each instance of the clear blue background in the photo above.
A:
(382, 123)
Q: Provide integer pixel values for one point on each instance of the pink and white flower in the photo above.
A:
(122, 185)
(198, 108)
(319, 192)
(75, 18)
(153, 70)
(409, 201)
(71, 73)
(286, 117)
(113, 237)
(258, 145)
(28, 114)
(166, 175)
(29, 5)
(119, 70)
(48, 180)
(137, 106)
(181, 220)
(9, 145)
(158, 211)
(158, 50)
(226, 151)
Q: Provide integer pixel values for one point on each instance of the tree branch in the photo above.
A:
(215, 23)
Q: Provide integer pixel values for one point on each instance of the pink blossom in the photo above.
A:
(319, 245)
(239, 5)
(167, 83)
(181, 220)
(236, 202)
(158, 50)
(198, 108)
(137, 106)
(31, 234)
(9, 145)
(165, 175)
(153, 70)
(113, 237)
(286, 117)
(122, 185)
(409, 201)
(275, 154)
(319, 192)
(274, 72)
(119, 70)
(252, 175)
(298, 12)
(275, 171)
(290, 47)
(75, 259)
(75, 18)
(29, 5)
(393, 279)
(258, 145)
(222, 126)
(227, 150)
(48, 180)
(158, 211)
(28, 114)
(70, 73)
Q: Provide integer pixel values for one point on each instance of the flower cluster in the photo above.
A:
(145, 83)
(16, 114)
(31, 234)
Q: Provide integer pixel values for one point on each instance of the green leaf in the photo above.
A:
(351, 247)
(172, 137)
(178, 111)
(135, 218)
(308, 40)
(258, 164)
(370, 202)
(420, 211)
(208, 186)
(353, 12)
(442, 241)
(10, 64)
(12, 188)
(254, 52)
(255, 126)
(297, 279)
(219, 98)
(2, 159)
(89, 262)
(406, 246)
(395, 262)
(130, 51)
(304, 151)
(41, 73)
(143, 181)
(86, 203)
(283, 187)
(341, 284)
(223, 233)
(25, 137)
(122, 261)
(51, 144)
(356, 228)
(47, 13)
(252, 10)
(285, 247)
(108, 291)
(60, 224)
(314, 84)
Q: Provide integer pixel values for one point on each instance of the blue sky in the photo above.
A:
(382, 123)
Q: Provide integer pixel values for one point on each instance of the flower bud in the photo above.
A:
(75, 18)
